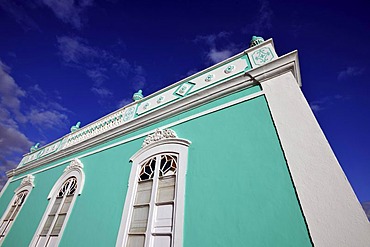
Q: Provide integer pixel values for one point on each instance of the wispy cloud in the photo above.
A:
(349, 72)
(102, 92)
(69, 11)
(43, 112)
(10, 92)
(12, 141)
(217, 56)
(218, 47)
(263, 20)
(18, 10)
(326, 102)
(124, 102)
(98, 64)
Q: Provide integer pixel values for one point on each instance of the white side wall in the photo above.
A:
(332, 211)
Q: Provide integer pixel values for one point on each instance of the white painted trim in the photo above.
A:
(75, 169)
(24, 186)
(332, 212)
(197, 115)
(6, 186)
(172, 145)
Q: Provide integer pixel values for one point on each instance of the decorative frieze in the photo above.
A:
(158, 135)
(260, 53)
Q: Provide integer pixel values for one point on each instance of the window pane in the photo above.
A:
(55, 207)
(147, 170)
(135, 240)
(7, 227)
(162, 241)
(66, 204)
(3, 226)
(58, 224)
(47, 225)
(15, 212)
(41, 242)
(139, 219)
(168, 165)
(144, 190)
(10, 212)
(163, 221)
(52, 241)
(166, 189)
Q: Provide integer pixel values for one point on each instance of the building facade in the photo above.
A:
(230, 156)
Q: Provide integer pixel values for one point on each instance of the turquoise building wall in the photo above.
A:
(238, 188)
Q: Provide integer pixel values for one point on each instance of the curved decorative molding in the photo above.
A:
(75, 164)
(159, 134)
(74, 169)
(28, 181)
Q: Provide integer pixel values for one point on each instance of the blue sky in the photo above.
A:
(68, 61)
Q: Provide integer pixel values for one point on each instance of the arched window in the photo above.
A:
(15, 205)
(62, 197)
(154, 207)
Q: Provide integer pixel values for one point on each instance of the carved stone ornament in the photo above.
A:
(28, 180)
(159, 134)
(75, 164)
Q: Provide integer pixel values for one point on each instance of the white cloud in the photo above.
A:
(218, 47)
(12, 140)
(49, 119)
(102, 92)
(69, 11)
(99, 64)
(349, 72)
(44, 112)
(10, 92)
(41, 112)
(124, 102)
(217, 56)
(211, 38)
(326, 102)
(76, 50)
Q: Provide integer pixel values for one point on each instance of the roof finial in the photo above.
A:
(75, 127)
(138, 95)
(34, 147)
(255, 41)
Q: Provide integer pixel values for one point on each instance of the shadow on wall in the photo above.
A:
(366, 207)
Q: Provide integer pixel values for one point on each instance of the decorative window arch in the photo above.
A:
(154, 206)
(15, 205)
(61, 200)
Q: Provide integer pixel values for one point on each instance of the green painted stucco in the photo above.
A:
(238, 189)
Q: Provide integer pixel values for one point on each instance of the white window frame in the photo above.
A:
(74, 169)
(171, 145)
(27, 184)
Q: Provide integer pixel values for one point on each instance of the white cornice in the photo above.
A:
(286, 63)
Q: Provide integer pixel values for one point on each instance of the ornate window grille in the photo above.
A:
(62, 198)
(57, 215)
(15, 206)
(154, 206)
(12, 213)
